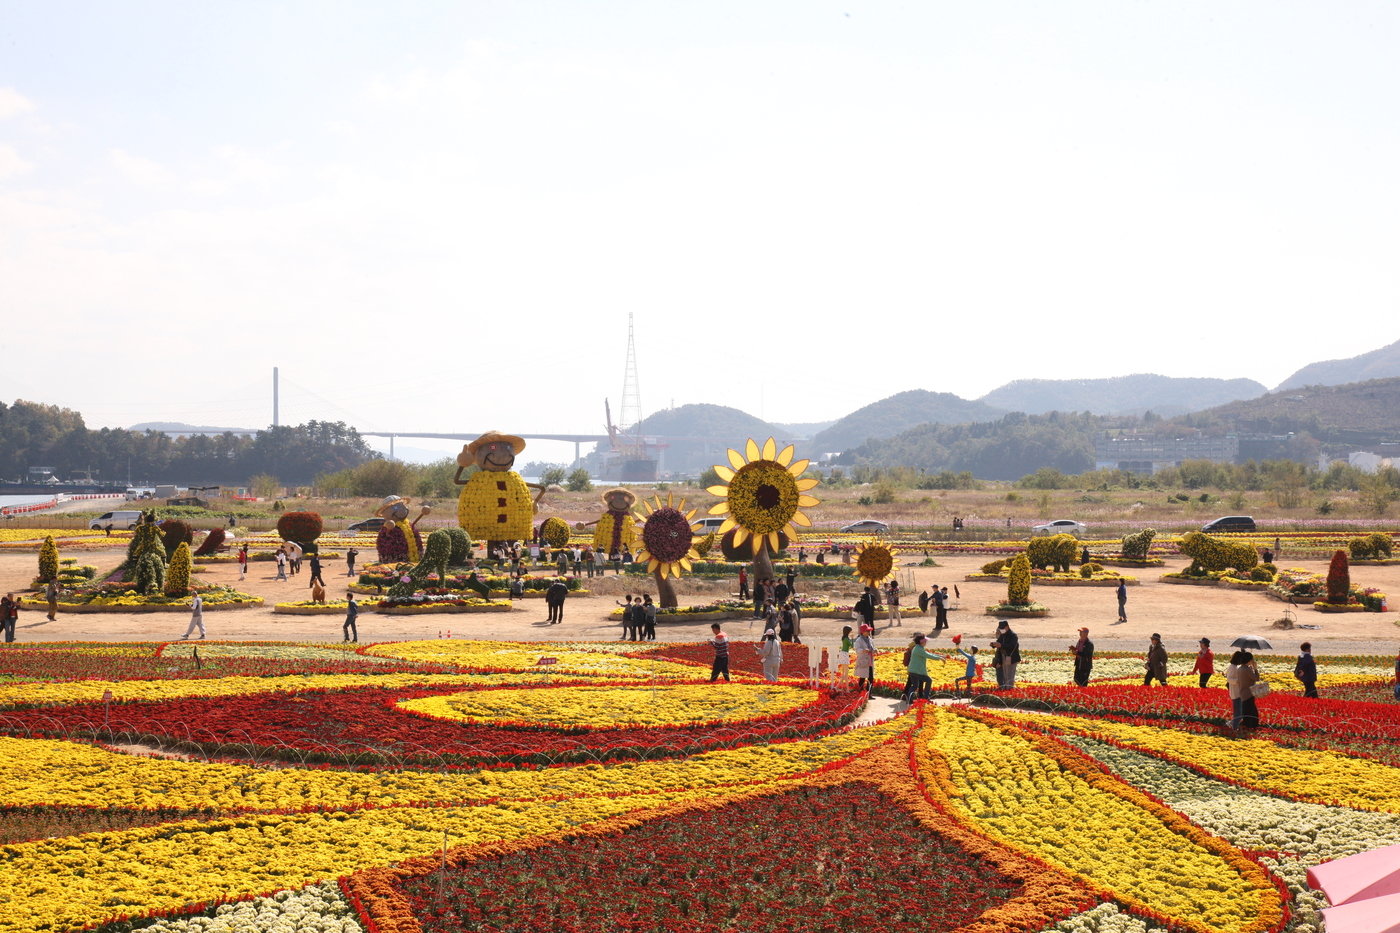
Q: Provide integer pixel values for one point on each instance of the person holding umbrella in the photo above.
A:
(1242, 677)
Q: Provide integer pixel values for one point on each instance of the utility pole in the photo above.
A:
(274, 396)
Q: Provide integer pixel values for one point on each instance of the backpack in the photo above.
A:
(908, 653)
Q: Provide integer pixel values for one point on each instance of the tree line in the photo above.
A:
(33, 434)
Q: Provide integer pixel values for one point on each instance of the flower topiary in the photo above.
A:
(875, 561)
(554, 531)
(1339, 579)
(1018, 582)
(211, 543)
(173, 533)
(48, 560)
(177, 576)
(299, 527)
(995, 566)
(1135, 546)
(150, 572)
(461, 546)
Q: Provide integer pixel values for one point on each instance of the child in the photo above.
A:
(841, 661)
(971, 673)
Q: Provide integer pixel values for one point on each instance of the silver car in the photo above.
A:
(1063, 526)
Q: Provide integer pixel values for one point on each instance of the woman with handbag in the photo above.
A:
(1242, 678)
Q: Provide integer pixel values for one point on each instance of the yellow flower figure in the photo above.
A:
(875, 562)
(495, 502)
(764, 492)
(615, 527)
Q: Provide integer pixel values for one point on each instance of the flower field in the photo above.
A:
(458, 785)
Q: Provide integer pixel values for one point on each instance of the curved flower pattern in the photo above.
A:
(763, 491)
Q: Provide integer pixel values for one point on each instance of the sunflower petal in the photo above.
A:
(785, 455)
(724, 473)
(691, 514)
(684, 562)
(799, 519)
(729, 524)
(720, 491)
(751, 450)
(773, 544)
(719, 508)
(805, 484)
(736, 459)
(741, 534)
(807, 501)
(770, 449)
(798, 468)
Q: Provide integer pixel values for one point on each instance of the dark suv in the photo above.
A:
(1231, 523)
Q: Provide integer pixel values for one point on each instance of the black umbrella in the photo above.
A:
(1251, 641)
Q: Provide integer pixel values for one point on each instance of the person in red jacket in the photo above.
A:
(1205, 662)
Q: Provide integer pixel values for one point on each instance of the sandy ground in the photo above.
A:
(1181, 614)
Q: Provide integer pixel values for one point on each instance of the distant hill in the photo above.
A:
(1121, 395)
(1378, 364)
(181, 427)
(805, 429)
(898, 413)
(685, 427)
(1358, 413)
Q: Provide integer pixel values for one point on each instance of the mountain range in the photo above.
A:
(1378, 364)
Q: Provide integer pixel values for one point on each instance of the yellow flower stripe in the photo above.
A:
(511, 655)
(51, 772)
(1020, 792)
(38, 534)
(616, 706)
(1309, 775)
(91, 691)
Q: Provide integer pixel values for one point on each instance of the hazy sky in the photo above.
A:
(437, 216)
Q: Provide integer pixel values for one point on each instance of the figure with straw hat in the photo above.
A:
(398, 539)
(495, 503)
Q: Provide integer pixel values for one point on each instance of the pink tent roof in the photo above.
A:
(1372, 874)
(1371, 915)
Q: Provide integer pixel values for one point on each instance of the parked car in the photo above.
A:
(1231, 523)
(866, 526)
(703, 526)
(1063, 526)
(369, 524)
(122, 519)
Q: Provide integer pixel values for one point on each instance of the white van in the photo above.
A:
(703, 526)
(125, 519)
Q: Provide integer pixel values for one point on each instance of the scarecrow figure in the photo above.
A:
(398, 539)
(616, 526)
(495, 502)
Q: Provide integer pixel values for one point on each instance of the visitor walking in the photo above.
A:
(281, 564)
(242, 562)
(648, 626)
(350, 631)
(554, 597)
(1010, 654)
(892, 601)
(9, 616)
(1083, 651)
(1205, 662)
(196, 617)
(840, 661)
(743, 583)
(51, 596)
(770, 652)
(865, 658)
(940, 610)
(720, 642)
(294, 553)
(1122, 600)
(590, 562)
(1156, 663)
(315, 563)
(1241, 677)
(1305, 670)
(629, 622)
(350, 556)
(917, 684)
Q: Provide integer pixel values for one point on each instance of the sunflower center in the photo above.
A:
(767, 496)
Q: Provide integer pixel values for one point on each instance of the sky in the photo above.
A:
(438, 216)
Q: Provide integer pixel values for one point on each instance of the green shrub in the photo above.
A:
(1086, 571)
(1375, 546)
(1261, 575)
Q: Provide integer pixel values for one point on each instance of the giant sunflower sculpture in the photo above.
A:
(875, 562)
(667, 538)
(764, 492)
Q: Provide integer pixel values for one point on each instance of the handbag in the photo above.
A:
(1260, 689)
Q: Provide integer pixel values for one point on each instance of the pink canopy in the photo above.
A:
(1373, 875)
(1369, 915)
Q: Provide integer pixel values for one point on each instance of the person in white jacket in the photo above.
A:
(770, 650)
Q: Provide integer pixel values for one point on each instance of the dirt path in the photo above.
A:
(1181, 614)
